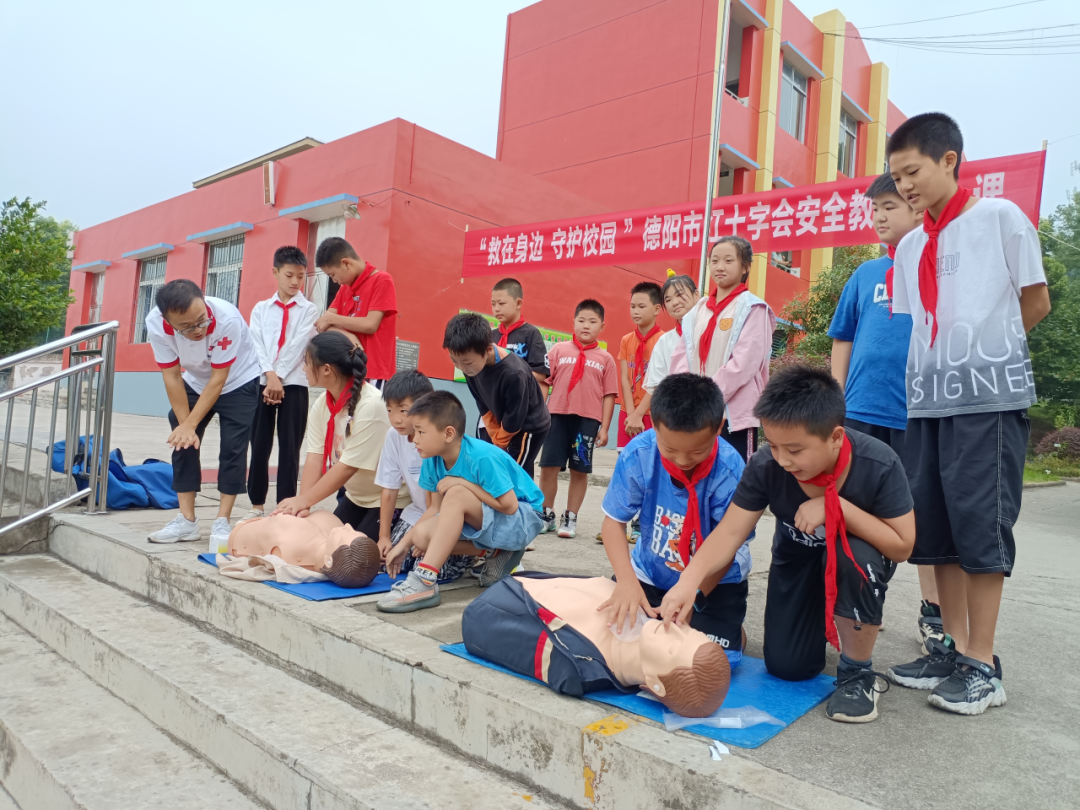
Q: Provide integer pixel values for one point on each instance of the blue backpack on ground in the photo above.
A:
(136, 487)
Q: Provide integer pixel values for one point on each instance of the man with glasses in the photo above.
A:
(208, 338)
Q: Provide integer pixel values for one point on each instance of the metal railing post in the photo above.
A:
(29, 449)
(105, 429)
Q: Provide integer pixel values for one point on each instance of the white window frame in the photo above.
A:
(317, 285)
(151, 279)
(848, 146)
(794, 92)
(224, 258)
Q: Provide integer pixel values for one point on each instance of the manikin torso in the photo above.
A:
(634, 663)
(308, 542)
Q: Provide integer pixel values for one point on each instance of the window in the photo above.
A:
(793, 102)
(319, 289)
(151, 277)
(223, 268)
(845, 152)
(97, 297)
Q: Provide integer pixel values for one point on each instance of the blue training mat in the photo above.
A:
(751, 685)
(322, 591)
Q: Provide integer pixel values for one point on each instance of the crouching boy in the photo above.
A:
(681, 479)
(482, 504)
(843, 520)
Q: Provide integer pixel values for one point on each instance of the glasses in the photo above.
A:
(205, 324)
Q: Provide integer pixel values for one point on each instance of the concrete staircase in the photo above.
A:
(134, 675)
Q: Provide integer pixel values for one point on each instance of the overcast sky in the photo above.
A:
(109, 107)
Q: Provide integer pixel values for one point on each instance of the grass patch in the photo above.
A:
(1060, 467)
(1034, 474)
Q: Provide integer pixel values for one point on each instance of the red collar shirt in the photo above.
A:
(374, 293)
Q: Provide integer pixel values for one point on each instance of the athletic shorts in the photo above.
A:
(966, 475)
(502, 531)
(721, 619)
(623, 437)
(894, 437)
(795, 602)
(570, 442)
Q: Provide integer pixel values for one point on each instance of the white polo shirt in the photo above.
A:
(285, 356)
(227, 344)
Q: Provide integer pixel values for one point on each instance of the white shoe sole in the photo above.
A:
(866, 718)
(567, 534)
(914, 683)
(187, 538)
(995, 698)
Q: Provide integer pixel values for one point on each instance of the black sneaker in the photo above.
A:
(856, 696)
(971, 689)
(930, 625)
(930, 670)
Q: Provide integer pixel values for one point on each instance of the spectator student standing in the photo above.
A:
(365, 306)
(281, 327)
(679, 294)
(513, 333)
(635, 351)
(209, 339)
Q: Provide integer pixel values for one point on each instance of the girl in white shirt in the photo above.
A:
(679, 294)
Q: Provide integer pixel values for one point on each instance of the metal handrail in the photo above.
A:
(98, 375)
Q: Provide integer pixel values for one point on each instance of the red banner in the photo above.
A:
(822, 215)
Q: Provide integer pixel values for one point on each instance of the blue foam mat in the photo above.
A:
(751, 685)
(322, 591)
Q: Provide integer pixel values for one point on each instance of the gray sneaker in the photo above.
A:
(219, 536)
(499, 565)
(930, 670)
(177, 530)
(413, 593)
(971, 689)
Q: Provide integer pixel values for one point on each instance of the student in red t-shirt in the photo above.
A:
(365, 306)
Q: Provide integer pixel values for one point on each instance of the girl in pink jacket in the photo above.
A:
(728, 337)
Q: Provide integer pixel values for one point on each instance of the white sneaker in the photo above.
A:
(177, 530)
(568, 525)
(219, 536)
(254, 513)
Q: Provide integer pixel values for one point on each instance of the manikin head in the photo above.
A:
(687, 672)
(506, 298)
(351, 560)
(924, 160)
(802, 414)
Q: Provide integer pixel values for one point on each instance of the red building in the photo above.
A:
(605, 106)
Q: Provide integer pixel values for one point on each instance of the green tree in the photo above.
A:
(1055, 343)
(813, 310)
(34, 274)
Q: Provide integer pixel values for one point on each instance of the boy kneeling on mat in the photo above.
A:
(482, 504)
(681, 479)
(820, 481)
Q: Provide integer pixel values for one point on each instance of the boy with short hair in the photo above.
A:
(583, 388)
(843, 520)
(973, 281)
(365, 306)
(506, 392)
(513, 333)
(681, 478)
(400, 464)
(210, 340)
(869, 353)
(635, 351)
(482, 505)
(281, 327)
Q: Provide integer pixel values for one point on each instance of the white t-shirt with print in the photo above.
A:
(979, 361)
(227, 344)
(399, 464)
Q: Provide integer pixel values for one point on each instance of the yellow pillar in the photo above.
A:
(768, 104)
(876, 134)
(828, 134)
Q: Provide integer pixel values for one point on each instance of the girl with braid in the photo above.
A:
(345, 432)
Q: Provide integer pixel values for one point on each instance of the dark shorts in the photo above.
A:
(966, 475)
(524, 447)
(365, 519)
(893, 437)
(570, 442)
(744, 441)
(722, 618)
(795, 604)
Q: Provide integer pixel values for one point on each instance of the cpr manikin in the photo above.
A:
(680, 666)
(319, 542)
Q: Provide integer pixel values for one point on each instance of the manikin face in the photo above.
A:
(399, 416)
(588, 325)
(470, 363)
(893, 218)
(801, 453)
(337, 538)
(290, 279)
(505, 308)
(724, 266)
(664, 650)
(193, 323)
(684, 450)
(678, 301)
(921, 180)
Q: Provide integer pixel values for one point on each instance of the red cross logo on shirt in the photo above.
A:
(224, 343)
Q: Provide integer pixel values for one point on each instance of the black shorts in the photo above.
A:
(744, 441)
(894, 437)
(524, 446)
(365, 519)
(967, 477)
(722, 618)
(570, 442)
(795, 604)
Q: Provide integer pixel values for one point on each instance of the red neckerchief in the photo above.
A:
(889, 277)
(692, 521)
(354, 288)
(334, 407)
(284, 323)
(928, 261)
(705, 344)
(834, 524)
(579, 366)
(504, 331)
(209, 314)
(678, 327)
(639, 356)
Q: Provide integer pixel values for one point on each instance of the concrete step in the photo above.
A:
(581, 752)
(65, 742)
(291, 744)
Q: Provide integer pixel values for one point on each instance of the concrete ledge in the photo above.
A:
(576, 750)
(29, 539)
(1042, 484)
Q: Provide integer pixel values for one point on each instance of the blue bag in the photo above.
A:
(136, 487)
